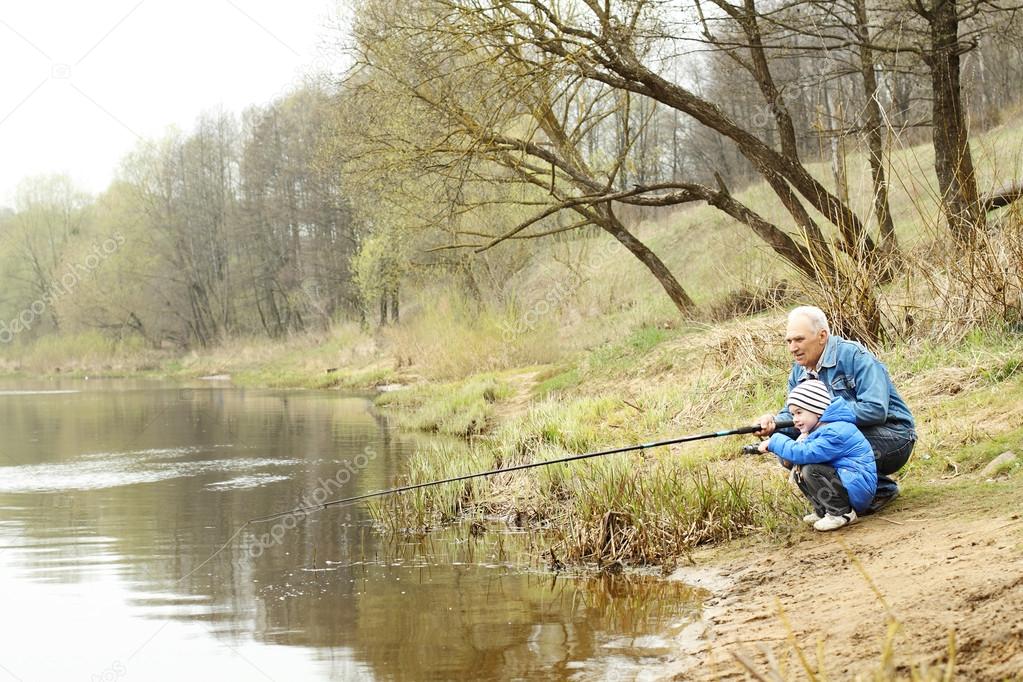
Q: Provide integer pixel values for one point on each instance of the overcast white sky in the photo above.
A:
(83, 81)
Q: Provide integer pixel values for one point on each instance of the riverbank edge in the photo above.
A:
(283, 373)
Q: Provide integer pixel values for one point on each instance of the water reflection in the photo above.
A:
(114, 494)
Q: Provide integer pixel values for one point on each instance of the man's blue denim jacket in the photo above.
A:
(852, 372)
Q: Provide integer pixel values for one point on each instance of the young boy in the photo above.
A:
(834, 463)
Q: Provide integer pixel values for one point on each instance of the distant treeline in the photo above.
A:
(466, 133)
(233, 228)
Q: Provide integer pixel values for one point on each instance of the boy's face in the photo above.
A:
(804, 420)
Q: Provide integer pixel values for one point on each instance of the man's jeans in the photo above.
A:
(892, 446)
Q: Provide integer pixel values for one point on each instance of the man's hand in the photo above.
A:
(766, 423)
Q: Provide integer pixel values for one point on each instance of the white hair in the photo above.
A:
(812, 314)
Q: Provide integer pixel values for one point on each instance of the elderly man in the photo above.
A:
(852, 372)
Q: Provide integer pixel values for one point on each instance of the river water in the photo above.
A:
(115, 493)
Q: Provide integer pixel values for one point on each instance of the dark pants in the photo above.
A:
(822, 486)
(892, 446)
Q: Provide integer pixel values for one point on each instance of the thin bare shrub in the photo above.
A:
(967, 286)
(750, 300)
(942, 289)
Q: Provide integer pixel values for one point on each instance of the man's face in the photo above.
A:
(805, 346)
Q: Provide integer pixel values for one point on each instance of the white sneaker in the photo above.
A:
(831, 522)
(811, 518)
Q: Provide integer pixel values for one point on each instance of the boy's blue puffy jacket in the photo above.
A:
(837, 442)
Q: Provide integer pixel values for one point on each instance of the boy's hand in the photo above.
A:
(763, 446)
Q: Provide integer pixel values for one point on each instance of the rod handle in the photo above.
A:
(754, 448)
(778, 425)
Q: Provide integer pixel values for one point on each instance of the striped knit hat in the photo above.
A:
(811, 395)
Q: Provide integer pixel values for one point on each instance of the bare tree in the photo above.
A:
(298, 231)
(930, 36)
(500, 120)
(608, 44)
(49, 212)
(186, 190)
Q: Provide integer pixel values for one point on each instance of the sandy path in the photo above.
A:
(519, 403)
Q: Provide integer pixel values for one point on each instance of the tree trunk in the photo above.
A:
(953, 161)
(778, 169)
(836, 144)
(765, 80)
(875, 135)
(604, 216)
(613, 226)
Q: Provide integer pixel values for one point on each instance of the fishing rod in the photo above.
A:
(517, 467)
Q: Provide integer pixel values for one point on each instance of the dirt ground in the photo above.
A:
(931, 567)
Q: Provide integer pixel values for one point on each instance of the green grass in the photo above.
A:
(646, 337)
(976, 456)
(283, 375)
(619, 355)
(561, 381)
(639, 508)
(459, 409)
(300, 361)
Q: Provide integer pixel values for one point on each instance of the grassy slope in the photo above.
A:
(656, 383)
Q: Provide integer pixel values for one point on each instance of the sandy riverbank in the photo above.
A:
(877, 600)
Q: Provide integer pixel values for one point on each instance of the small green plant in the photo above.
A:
(559, 383)
(646, 337)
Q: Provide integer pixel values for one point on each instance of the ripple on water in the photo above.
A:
(240, 482)
(154, 453)
(121, 469)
